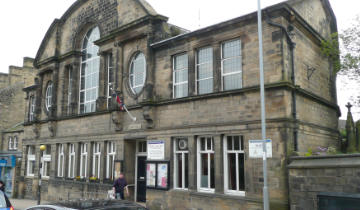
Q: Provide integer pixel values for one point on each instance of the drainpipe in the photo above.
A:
(293, 94)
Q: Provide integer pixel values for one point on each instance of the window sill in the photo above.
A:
(235, 193)
(30, 176)
(181, 189)
(201, 190)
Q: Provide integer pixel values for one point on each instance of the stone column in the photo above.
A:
(192, 163)
(89, 160)
(54, 161)
(101, 100)
(219, 172)
(102, 161)
(191, 71)
(77, 159)
(119, 67)
(217, 66)
(66, 160)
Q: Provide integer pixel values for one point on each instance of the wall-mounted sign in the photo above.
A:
(256, 148)
(118, 168)
(156, 150)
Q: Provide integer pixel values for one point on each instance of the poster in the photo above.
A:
(150, 174)
(162, 178)
(117, 168)
(156, 150)
(256, 148)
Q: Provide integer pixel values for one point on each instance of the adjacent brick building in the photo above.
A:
(12, 109)
(196, 93)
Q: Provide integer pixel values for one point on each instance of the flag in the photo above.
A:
(119, 101)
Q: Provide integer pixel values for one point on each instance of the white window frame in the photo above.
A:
(87, 90)
(234, 57)
(96, 154)
(61, 161)
(30, 159)
(72, 156)
(15, 143)
(197, 69)
(182, 152)
(110, 68)
(32, 108)
(11, 143)
(83, 155)
(110, 156)
(174, 76)
(48, 95)
(208, 152)
(226, 168)
(45, 160)
(132, 75)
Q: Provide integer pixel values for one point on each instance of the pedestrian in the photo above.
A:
(2, 186)
(119, 185)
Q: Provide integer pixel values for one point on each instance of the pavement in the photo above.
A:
(20, 204)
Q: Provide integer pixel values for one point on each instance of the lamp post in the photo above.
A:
(42, 149)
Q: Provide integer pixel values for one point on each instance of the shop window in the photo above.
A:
(205, 164)
(89, 73)
(111, 78)
(30, 161)
(137, 73)
(96, 160)
(180, 76)
(181, 163)
(48, 95)
(71, 161)
(61, 161)
(83, 160)
(32, 109)
(234, 165)
(204, 70)
(110, 158)
(231, 66)
(46, 160)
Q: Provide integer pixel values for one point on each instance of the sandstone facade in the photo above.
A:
(301, 102)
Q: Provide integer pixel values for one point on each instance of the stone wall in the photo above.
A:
(309, 176)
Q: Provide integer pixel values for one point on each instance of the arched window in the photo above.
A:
(137, 73)
(89, 74)
(48, 95)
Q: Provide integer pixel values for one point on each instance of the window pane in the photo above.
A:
(205, 55)
(204, 171)
(181, 62)
(202, 144)
(229, 143)
(232, 82)
(232, 171)
(205, 86)
(231, 65)
(241, 172)
(231, 49)
(186, 174)
(181, 90)
(209, 143)
(181, 76)
(179, 170)
(205, 71)
(212, 171)
(236, 143)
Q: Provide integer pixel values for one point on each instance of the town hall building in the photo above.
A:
(193, 102)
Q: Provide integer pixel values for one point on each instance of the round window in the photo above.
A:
(137, 73)
(48, 98)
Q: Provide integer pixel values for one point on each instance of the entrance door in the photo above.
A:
(141, 179)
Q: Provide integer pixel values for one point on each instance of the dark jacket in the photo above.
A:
(119, 185)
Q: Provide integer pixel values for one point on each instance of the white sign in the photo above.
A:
(156, 150)
(256, 148)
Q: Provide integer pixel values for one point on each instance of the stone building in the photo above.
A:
(193, 99)
(12, 109)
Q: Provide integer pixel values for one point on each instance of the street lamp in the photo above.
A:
(42, 149)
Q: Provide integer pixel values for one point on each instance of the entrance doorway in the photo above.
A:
(141, 179)
(140, 175)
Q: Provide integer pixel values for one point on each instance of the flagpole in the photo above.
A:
(130, 115)
(262, 96)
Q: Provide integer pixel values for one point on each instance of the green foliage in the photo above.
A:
(332, 151)
(309, 153)
(330, 49)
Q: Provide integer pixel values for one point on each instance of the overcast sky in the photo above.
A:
(25, 22)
